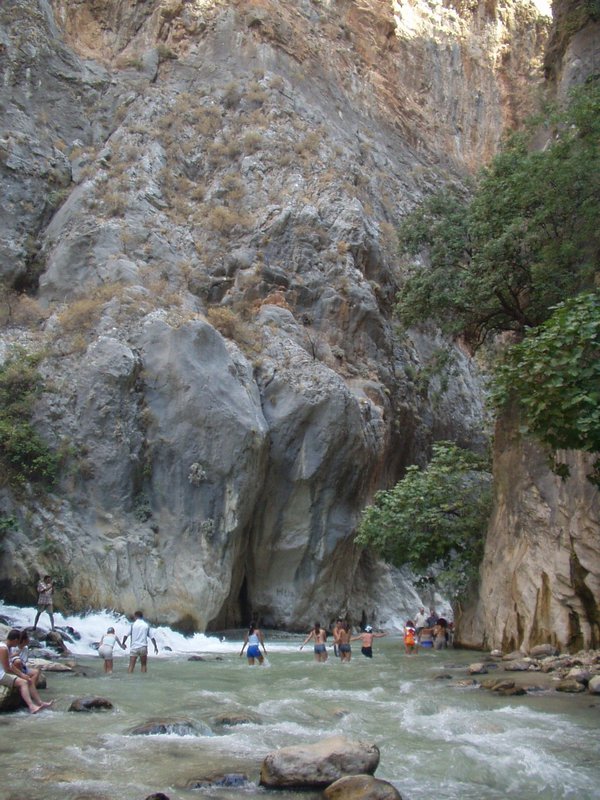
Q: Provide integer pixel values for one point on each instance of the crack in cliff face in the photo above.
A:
(589, 604)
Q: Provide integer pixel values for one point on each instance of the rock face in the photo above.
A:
(318, 765)
(544, 535)
(200, 201)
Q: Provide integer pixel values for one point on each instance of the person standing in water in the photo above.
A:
(106, 648)
(139, 633)
(254, 639)
(410, 639)
(335, 632)
(367, 641)
(343, 643)
(45, 589)
(320, 637)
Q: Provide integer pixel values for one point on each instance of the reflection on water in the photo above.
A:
(436, 739)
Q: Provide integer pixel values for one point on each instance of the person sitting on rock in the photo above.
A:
(19, 656)
(22, 682)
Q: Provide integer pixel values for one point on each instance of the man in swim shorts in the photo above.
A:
(343, 643)
(367, 641)
(139, 633)
(320, 637)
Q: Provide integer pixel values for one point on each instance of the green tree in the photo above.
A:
(554, 377)
(527, 236)
(434, 517)
(24, 456)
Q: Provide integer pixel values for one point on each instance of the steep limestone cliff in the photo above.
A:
(200, 201)
(540, 580)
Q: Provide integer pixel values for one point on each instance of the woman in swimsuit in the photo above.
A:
(254, 639)
(320, 637)
(106, 647)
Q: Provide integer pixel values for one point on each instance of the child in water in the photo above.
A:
(410, 638)
(106, 647)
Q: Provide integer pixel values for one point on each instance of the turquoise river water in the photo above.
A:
(437, 739)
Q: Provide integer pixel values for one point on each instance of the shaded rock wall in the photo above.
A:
(201, 202)
(540, 579)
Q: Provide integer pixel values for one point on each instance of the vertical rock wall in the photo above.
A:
(540, 579)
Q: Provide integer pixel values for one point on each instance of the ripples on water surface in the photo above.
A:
(436, 740)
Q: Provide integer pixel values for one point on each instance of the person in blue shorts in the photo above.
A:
(254, 639)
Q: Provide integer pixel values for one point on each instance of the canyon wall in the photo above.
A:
(200, 204)
(540, 579)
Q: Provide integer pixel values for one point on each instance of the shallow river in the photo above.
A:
(437, 740)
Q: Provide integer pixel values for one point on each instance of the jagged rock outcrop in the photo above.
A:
(540, 579)
(200, 201)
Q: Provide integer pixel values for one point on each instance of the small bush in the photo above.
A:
(24, 456)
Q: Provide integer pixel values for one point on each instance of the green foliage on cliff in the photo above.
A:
(526, 238)
(554, 376)
(434, 517)
(24, 456)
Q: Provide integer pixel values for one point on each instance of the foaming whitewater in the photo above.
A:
(90, 627)
(436, 738)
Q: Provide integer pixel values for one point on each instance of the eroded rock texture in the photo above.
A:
(200, 200)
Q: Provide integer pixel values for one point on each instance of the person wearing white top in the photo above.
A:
(106, 648)
(139, 633)
(14, 678)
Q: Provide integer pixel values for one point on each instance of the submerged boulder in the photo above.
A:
(318, 765)
(177, 727)
(91, 704)
(361, 787)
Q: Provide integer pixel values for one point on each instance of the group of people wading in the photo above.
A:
(425, 631)
(342, 638)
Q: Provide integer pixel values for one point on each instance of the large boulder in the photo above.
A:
(361, 787)
(318, 765)
(10, 699)
(543, 650)
(594, 685)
